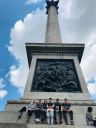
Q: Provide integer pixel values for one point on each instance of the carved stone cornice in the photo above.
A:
(66, 49)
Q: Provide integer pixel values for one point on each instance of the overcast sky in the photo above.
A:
(25, 21)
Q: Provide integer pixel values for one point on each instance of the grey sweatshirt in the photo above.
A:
(89, 118)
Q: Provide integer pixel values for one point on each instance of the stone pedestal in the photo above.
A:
(58, 52)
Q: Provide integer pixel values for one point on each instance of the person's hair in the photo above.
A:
(89, 109)
(50, 98)
(57, 99)
(45, 101)
(65, 99)
(33, 101)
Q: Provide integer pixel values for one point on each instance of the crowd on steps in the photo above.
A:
(49, 112)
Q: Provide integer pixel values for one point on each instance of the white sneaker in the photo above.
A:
(38, 119)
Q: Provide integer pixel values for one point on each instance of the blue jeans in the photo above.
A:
(50, 117)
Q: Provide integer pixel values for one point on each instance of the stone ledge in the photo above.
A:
(73, 102)
(59, 126)
(14, 125)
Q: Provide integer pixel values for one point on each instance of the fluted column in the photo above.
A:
(52, 34)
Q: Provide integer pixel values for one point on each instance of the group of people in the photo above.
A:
(48, 112)
(53, 113)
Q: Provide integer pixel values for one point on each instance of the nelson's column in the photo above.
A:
(54, 71)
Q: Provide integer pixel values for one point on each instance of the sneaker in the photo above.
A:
(27, 117)
(66, 123)
(60, 122)
(37, 120)
(19, 116)
(71, 123)
(56, 122)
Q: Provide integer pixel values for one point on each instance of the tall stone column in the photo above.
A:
(52, 34)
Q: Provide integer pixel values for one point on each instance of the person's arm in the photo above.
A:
(63, 108)
(50, 106)
(89, 117)
(69, 105)
(28, 106)
(53, 106)
(60, 107)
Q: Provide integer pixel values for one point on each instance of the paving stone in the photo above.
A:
(8, 125)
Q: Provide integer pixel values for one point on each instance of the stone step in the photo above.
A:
(59, 126)
(22, 125)
(13, 125)
(12, 117)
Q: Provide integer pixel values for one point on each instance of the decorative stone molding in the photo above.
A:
(41, 48)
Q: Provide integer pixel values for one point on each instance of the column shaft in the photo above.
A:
(52, 34)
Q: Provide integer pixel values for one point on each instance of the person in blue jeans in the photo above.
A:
(50, 112)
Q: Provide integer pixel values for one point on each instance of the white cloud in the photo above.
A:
(78, 25)
(29, 30)
(88, 63)
(92, 88)
(77, 19)
(3, 93)
(32, 1)
(18, 76)
(91, 84)
(2, 83)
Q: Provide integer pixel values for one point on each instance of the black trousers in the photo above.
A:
(65, 117)
(43, 116)
(94, 123)
(55, 116)
(29, 113)
(22, 110)
(38, 113)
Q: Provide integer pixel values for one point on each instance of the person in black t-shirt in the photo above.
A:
(50, 112)
(57, 112)
(66, 109)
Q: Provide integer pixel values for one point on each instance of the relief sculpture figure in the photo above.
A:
(55, 76)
